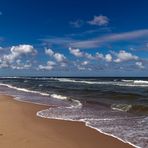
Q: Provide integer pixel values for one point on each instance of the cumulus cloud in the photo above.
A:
(76, 52)
(18, 51)
(140, 65)
(15, 53)
(98, 56)
(23, 49)
(99, 20)
(59, 57)
(124, 56)
(50, 65)
(108, 57)
(21, 66)
(49, 52)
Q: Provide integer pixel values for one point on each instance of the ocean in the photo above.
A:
(116, 106)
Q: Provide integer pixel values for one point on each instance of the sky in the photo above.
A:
(73, 38)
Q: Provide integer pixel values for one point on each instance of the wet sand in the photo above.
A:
(21, 128)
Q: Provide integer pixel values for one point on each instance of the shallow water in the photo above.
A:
(115, 106)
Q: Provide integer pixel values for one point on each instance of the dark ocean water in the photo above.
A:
(115, 106)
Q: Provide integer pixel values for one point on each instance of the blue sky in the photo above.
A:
(73, 38)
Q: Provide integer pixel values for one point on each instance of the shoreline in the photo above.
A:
(21, 127)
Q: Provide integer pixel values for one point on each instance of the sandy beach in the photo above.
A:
(21, 128)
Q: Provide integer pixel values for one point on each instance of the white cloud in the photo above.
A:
(59, 57)
(23, 49)
(140, 65)
(99, 20)
(49, 52)
(17, 51)
(108, 58)
(88, 56)
(124, 56)
(50, 65)
(98, 56)
(21, 66)
(76, 52)
(12, 59)
(85, 63)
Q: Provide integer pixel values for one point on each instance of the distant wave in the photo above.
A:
(9, 77)
(140, 82)
(80, 81)
(127, 80)
(74, 81)
(129, 83)
(136, 81)
(27, 78)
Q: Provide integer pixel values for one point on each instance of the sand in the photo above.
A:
(21, 128)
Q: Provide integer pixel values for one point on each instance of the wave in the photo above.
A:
(27, 78)
(74, 81)
(59, 97)
(23, 89)
(136, 81)
(121, 107)
(140, 82)
(124, 82)
(127, 80)
(80, 81)
(9, 77)
(139, 108)
(128, 83)
(74, 103)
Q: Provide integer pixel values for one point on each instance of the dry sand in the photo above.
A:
(21, 128)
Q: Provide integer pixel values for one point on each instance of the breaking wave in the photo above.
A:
(24, 89)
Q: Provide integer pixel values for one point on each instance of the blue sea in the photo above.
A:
(111, 105)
